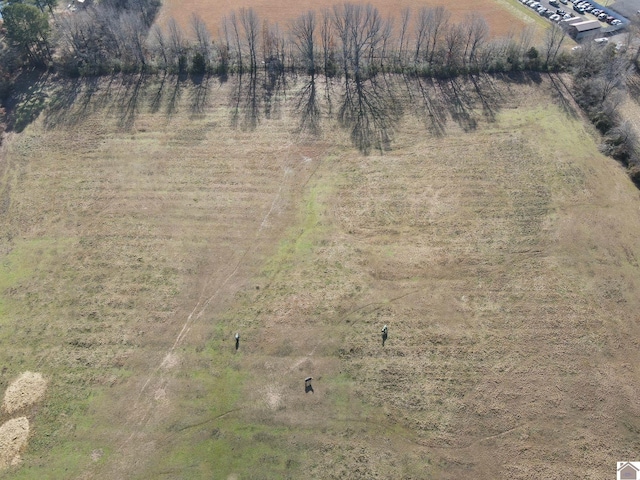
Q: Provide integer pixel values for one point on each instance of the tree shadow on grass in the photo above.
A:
(198, 94)
(274, 87)
(175, 94)
(155, 101)
(370, 111)
(308, 108)
(466, 99)
(426, 104)
(488, 94)
(459, 103)
(245, 111)
(129, 100)
(28, 100)
(72, 100)
(562, 95)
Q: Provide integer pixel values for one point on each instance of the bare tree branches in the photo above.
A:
(250, 25)
(303, 31)
(554, 39)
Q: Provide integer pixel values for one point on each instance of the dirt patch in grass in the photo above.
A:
(24, 391)
(13, 438)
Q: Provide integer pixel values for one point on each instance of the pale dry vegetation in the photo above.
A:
(492, 237)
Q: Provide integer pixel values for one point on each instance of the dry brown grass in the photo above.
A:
(13, 438)
(502, 254)
(24, 391)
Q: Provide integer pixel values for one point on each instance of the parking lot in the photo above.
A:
(558, 10)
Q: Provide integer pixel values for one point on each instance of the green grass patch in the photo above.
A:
(301, 239)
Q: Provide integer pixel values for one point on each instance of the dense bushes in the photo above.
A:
(600, 76)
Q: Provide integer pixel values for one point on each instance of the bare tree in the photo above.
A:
(438, 24)
(554, 39)
(326, 36)
(250, 25)
(386, 33)
(231, 25)
(303, 31)
(159, 43)
(359, 29)
(273, 44)
(405, 17)
(421, 32)
(454, 37)
(133, 32)
(342, 19)
(202, 36)
(613, 75)
(177, 45)
(476, 32)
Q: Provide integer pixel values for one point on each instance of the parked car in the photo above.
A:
(588, 9)
(554, 3)
(616, 22)
(610, 19)
(564, 2)
(578, 9)
(602, 17)
(601, 40)
(555, 17)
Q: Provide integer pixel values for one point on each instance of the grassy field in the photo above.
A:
(146, 223)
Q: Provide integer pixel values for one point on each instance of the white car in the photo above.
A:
(601, 40)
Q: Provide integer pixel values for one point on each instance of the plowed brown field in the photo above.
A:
(503, 18)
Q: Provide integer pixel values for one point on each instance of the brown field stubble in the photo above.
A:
(502, 254)
(502, 17)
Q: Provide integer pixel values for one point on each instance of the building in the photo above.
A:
(584, 29)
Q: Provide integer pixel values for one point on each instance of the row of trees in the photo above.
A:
(351, 40)
(348, 39)
(600, 79)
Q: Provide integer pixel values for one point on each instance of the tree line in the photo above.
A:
(351, 41)
(348, 39)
